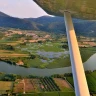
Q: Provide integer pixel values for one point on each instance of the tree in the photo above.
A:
(65, 46)
(32, 56)
(40, 42)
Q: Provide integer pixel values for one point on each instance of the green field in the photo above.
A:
(50, 94)
(48, 48)
(52, 86)
(91, 80)
(63, 85)
(86, 53)
(48, 54)
(43, 53)
(41, 61)
(70, 80)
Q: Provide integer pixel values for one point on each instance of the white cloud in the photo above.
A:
(21, 8)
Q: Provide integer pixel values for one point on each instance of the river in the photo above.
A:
(90, 64)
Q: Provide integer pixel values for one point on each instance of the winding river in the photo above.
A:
(90, 64)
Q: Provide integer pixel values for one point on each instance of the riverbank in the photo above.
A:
(42, 62)
(7, 68)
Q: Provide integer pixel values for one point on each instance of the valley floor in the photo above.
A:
(40, 49)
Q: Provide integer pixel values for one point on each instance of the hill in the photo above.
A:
(57, 25)
(12, 22)
(49, 24)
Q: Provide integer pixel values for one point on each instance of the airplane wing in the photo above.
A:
(84, 9)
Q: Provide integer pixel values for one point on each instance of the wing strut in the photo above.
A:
(80, 83)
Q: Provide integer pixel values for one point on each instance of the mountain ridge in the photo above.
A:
(49, 24)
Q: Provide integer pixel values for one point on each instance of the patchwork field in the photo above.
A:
(29, 86)
(39, 49)
(47, 54)
(49, 85)
(46, 86)
(23, 86)
(6, 55)
(41, 85)
(63, 84)
(5, 87)
(18, 86)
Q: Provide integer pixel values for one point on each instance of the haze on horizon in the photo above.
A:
(21, 8)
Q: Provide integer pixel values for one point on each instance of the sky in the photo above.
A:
(21, 8)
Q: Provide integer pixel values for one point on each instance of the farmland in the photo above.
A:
(56, 85)
(35, 85)
(39, 49)
(50, 94)
(49, 85)
(5, 87)
(22, 86)
(91, 81)
(41, 86)
(22, 45)
(63, 84)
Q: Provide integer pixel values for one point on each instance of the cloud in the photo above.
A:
(21, 8)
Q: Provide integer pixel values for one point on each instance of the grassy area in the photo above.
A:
(50, 94)
(24, 50)
(53, 47)
(91, 80)
(91, 83)
(50, 47)
(63, 85)
(60, 62)
(45, 52)
(86, 53)
(94, 94)
(13, 43)
(34, 63)
(70, 80)
(46, 46)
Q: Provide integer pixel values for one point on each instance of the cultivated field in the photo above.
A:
(50, 50)
(18, 86)
(91, 80)
(49, 84)
(6, 55)
(35, 85)
(5, 87)
(63, 84)
(24, 86)
(50, 94)
(29, 86)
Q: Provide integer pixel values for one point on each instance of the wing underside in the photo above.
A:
(85, 9)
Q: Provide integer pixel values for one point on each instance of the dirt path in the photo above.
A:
(24, 85)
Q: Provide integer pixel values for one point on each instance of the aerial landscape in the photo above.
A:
(35, 57)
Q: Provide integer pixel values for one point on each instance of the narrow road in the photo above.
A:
(24, 86)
